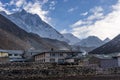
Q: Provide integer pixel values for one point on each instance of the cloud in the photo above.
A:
(96, 9)
(44, 1)
(103, 26)
(72, 9)
(97, 13)
(63, 31)
(19, 3)
(52, 5)
(2, 8)
(36, 8)
(33, 6)
(84, 14)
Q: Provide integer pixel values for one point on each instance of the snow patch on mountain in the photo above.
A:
(33, 23)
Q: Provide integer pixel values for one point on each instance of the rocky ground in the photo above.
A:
(38, 71)
(97, 77)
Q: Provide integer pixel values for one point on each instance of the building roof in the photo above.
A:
(13, 51)
(117, 54)
(103, 56)
(59, 51)
(18, 60)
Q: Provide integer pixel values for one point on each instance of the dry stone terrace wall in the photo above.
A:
(38, 70)
(42, 70)
(23, 65)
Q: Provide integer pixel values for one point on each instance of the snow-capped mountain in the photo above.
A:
(33, 23)
(91, 41)
(72, 39)
(13, 37)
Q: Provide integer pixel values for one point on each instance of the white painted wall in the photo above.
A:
(47, 55)
(57, 56)
(47, 59)
(70, 60)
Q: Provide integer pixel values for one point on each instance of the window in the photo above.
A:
(52, 54)
(52, 60)
(61, 54)
(10, 54)
(61, 60)
(43, 60)
(69, 54)
(16, 54)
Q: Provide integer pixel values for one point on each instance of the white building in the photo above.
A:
(55, 56)
(14, 55)
(4, 57)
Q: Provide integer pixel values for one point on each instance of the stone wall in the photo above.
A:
(33, 70)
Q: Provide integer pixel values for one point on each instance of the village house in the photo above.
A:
(14, 55)
(74, 59)
(30, 53)
(55, 56)
(4, 57)
(117, 56)
(103, 61)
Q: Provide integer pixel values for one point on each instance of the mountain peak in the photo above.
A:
(33, 23)
(112, 46)
(13, 37)
(23, 11)
(106, 40)
(3, 12)
(93, 38)
(72, 39)
(91, 41)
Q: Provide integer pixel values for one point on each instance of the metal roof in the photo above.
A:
(103, 56)
(13, 51)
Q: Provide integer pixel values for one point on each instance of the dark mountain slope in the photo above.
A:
(110, 47)
(13, 37)
(34, 24)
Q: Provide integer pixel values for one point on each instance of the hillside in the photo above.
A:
(91, 41)
(72, 39)
(110, 47)
(34, 24)
(13, 37)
